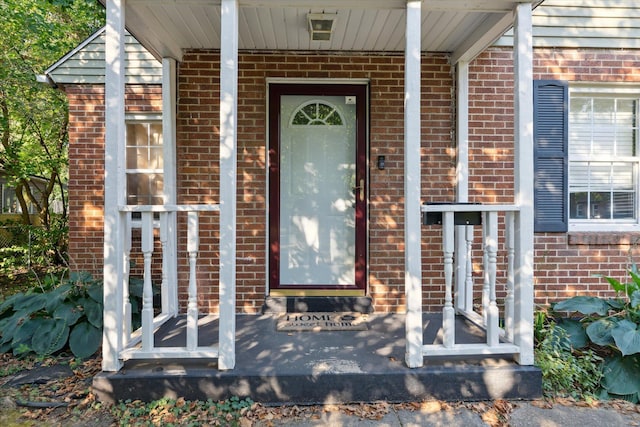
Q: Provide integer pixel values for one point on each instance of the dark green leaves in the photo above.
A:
(45, 323)
(583, 304)
(85, 340)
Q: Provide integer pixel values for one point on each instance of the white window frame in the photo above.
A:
(137, 119)
(607, 225)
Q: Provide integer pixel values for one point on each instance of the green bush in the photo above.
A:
(47, 319)
(58, 315)
(609, 327)
(13, 257)
(565, 371)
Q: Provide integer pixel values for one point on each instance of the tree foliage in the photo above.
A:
(33, 116)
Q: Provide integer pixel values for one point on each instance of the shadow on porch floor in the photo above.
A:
(321, 367)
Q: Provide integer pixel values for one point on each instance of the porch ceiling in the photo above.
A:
(461, 27)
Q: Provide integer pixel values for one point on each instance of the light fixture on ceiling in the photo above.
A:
(321, 26)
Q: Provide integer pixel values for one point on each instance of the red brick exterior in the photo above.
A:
(86, 168)
(565, 264)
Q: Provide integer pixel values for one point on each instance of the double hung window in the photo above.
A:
(144, 161)
(603, 158)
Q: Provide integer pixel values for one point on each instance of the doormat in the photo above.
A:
(316, 322)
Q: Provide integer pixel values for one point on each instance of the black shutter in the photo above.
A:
(550, 134)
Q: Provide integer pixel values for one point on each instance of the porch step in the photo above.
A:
(276, 305)
(322, 367)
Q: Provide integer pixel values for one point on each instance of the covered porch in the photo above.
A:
(498, 238)
(328, 367)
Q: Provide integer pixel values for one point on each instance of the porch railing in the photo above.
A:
(139, 344)
(461, 223)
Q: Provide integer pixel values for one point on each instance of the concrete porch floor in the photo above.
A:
(321, 367)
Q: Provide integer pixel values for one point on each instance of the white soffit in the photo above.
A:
(460, 27)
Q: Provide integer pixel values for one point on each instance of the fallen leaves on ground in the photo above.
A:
(80, 407)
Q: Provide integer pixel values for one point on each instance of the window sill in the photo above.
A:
(603, 238)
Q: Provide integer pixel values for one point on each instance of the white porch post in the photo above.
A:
(114, 187)
(523, 263)
(169, 96)
(412, 190)
(463, 296)
(228, 170)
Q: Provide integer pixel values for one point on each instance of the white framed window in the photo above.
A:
(603, 158)
(8, 201)
(144, 160)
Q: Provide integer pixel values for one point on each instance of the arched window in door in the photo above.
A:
(316, 113)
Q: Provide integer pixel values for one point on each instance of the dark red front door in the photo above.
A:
(318, 188)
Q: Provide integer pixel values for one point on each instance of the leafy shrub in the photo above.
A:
(61, 314)
(13, 257)
(565, 372)
(610, 327)
(47, 319)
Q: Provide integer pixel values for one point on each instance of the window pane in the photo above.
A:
(580, 129)
(155, 133)
(600, 205)
(155, 158)
(579, 176)
(136, 182)
(578, 205)
(622, 176)
(132, 158)
(137, 134)
(624, 205)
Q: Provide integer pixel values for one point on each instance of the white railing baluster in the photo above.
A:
(493, 314)
(461, 268)
(126, 263)
(485, 269)
(468, 295)
(448, 312)
(192, 302)
(166, 264)
(172, 264)
(140, 343)
(456, 240)
(508, 303)
(147, 290)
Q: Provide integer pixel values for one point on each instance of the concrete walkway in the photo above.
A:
(524, 414)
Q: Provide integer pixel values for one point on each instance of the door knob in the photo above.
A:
(361, 188)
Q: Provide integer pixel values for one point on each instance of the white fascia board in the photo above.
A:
(77, 49)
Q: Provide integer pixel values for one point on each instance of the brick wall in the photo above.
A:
(565, 264)
(86, 169)
(197, 156)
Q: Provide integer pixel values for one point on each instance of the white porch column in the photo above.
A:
(523, 263)
(462, 132)
(412, 190)
(114, 186)
(169, 96)
(228, 171)
(463, 295)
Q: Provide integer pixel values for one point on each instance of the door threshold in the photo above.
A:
(316, 293)
(311, 304)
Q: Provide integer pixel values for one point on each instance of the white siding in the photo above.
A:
(85, 64)
(584, 24)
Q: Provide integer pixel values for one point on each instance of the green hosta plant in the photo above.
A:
(611, 326)
(47, 319)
